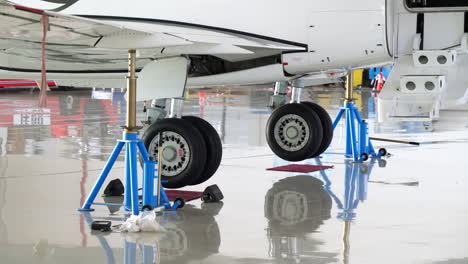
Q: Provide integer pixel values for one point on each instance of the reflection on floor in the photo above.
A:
(409, 208)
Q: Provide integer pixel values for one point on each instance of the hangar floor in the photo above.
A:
(409, 208)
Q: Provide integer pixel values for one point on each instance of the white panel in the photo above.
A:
(341, 40)
(270, 73)
(129, 39)
(205, 48)
(163, 78)
(37, 4)
(406, 33)
(443, 30)
(395, 100)
(364, 37)
(422, 84)
(93, 83)
(435, 58)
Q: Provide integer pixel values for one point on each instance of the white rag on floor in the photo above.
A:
(144, 222)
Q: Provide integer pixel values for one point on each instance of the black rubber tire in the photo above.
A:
(364, 156)
(214, 147)
(195, 141)
(182, 202)
(383, 152)
(313, 123)
(327, 126)
(147, 207)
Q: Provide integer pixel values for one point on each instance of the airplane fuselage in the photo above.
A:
(334, 34)
(270, 18)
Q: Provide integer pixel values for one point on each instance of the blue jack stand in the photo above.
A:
(358, 145)
(132, 143)
(151, 183)
(356, 180)
(131, 202)
(355, 191)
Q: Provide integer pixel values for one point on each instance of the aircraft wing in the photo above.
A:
(76, 43)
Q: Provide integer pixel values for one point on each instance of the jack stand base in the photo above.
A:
(85, 210)
(131, 143)
(131, 200)
(358, 145)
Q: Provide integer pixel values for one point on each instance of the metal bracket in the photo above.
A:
(176, 109)
(297, 86)
(157, 111)
(279, 97)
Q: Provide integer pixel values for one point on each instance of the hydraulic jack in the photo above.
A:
(151, 176)
(358, 144)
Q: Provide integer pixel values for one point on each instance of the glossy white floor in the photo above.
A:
(409, 208)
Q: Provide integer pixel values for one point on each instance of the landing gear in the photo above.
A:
(299, 130)
(214, 147)
(192, 150)
(327, 126)
(184, 151)
(294, 131)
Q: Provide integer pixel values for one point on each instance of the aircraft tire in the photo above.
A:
(294, 132)
(184, 155)
(327, 126)
(214, 147)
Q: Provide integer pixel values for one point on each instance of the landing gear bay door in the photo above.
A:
(163, 78)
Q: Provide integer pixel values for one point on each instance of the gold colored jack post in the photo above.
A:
(130, 126)
(349, 87)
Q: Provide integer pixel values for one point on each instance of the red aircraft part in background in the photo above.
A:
(10, 83)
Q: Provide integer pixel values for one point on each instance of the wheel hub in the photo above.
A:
(175, 153)
(169, 153)
(291, 132)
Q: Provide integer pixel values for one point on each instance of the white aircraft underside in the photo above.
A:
(88, 37)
